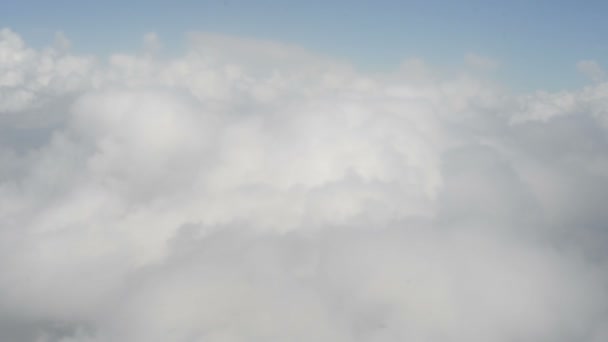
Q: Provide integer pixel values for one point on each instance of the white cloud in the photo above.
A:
(591, 69)
(61, 41)
(254, 191)
(151, 42)
(481, 62)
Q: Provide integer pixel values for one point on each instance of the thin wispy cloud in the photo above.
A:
(591, 69)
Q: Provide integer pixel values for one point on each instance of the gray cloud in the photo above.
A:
(254, 191)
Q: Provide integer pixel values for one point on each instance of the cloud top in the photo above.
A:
(255, 191)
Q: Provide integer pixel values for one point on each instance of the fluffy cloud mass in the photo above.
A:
(255, 191)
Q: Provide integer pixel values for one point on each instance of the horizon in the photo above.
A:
(536, 45)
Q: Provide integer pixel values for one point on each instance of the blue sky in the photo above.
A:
(538, 43)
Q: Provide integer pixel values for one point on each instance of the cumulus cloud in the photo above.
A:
(255, 191)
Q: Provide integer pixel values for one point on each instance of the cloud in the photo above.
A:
(591, 69)
(255, 191)
(481, 62)
(151, 42)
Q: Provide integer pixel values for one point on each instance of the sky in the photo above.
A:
(538, 43)
(244, 172)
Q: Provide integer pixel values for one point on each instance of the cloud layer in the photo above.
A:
(255, 191)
